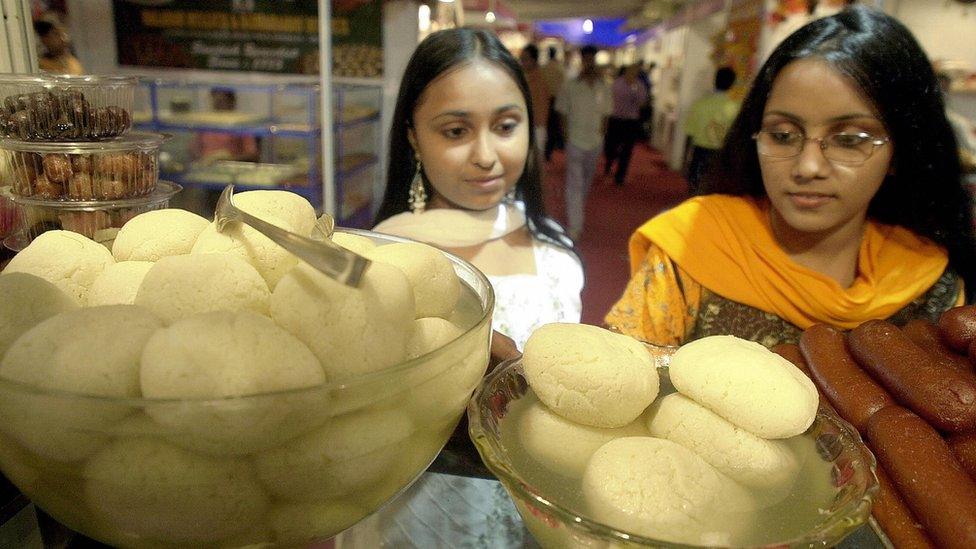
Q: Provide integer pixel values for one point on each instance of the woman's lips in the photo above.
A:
(808, 201)
(486, 181)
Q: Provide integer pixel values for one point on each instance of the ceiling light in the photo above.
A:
(588, 26)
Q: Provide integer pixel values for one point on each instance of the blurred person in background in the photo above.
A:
(623, 127)
(584, 103)
(708, 120)
(55, 55)
(647, 109)
(539, 90)
(555, 75)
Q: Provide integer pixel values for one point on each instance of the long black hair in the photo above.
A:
(923, 191)
(440, 52)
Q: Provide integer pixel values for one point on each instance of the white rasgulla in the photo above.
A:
(295, 210)
(590, 375)
(27, 300)
(66, 259)
(428, 334)
(181, 286)
(562, 446)
(441, 384)
(436, 287)
(118, 284)
(219, 355)
(89, 351)
(153, 235)
(344, 456)
(745, 458)
(747, 384)
(154, 490)
(659, 489)
(304, 523)
(270, 259)
(357, 243)
(352, 331)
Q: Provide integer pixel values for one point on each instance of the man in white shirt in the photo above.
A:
(584, 104)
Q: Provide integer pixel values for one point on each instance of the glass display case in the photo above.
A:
(266, 136)
(357, 142)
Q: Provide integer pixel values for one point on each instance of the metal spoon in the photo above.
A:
(326, 257)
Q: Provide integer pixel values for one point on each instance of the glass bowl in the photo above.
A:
(275, 469)
(114, 169)
(848, 481)
(87, 217)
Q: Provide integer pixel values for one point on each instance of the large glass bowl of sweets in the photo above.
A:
(602, 441)
(196, 388)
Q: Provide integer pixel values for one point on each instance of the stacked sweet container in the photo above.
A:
(68, 160)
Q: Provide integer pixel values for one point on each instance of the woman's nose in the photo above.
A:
(483, 154)
(811, 162)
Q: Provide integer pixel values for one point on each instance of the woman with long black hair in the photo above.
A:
(464, 176)
(835, 199)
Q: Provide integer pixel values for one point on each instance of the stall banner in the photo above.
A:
(742, 42)
(278, 36)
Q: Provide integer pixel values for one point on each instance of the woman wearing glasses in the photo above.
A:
(836, 199)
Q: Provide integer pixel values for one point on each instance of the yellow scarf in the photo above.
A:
(726, 244)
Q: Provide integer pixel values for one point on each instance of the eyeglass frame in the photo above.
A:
(823, 145)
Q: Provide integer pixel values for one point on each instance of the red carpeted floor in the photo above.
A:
(612, 214)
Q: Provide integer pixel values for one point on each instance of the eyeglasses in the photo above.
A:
(844, 148)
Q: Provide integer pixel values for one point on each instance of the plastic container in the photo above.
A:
(10, 217)
(839, 503)
(84, 217)
(65, 108)
(120, 168)
(215, 483)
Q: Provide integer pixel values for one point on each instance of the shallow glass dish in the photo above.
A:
(849, 482)
(277, 469)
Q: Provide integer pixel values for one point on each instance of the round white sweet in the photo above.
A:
(221, 355)
(359, 244)
(562, 446)
(590, 375)
(346, 455)
(352, 331)
(27, 300)
(656, 488)
(181, 286)
(436, 286)
(118, 284)
(89, 351)
(156, 234)
(742, 456)
(294, 210)
(431, 333)
(442, 382)
(66, 259)
(270, 259)
(747, 384)
(154, 490)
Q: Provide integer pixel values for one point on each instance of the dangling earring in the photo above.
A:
(417, 200)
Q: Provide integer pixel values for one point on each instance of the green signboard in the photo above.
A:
(278, 36)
